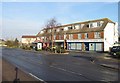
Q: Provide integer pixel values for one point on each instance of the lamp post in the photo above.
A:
(64, 40)
(53, 36)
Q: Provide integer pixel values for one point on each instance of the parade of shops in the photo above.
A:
(92, 35)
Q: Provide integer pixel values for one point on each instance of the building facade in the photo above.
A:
(28, 39)
(92, 35)
(2, 42)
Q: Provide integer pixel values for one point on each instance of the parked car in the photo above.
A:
(115, 51)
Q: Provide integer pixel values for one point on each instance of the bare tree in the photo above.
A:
(52, 23)
(16, 42)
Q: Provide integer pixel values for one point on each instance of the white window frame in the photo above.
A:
(65, 28)
(65, 36)
(60, 37)
(41, 32)
(99, 23)
(90, 25)
(79, 36)
(82, 25)
(54, 37)
(86, 35)
(70, 27)
(57, 30)
(77, 26)
(97, 35)
(70, 36)
(49, 30)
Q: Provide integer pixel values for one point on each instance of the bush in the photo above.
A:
(52, 49)
(118, 54)
(26, 47)
(39, 50)
(12, 43)
(48, 49)
(60, 50)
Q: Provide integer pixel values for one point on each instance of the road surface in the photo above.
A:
(58, 68)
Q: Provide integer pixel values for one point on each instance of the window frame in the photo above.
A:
(79, 36)
(86, 36)
(97, 35)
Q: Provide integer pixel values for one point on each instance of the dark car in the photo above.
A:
(115, 51)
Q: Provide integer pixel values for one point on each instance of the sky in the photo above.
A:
(28, 18)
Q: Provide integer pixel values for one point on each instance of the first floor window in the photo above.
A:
(59, 36)
(86, 35)
(79, 36)
(71, 36)
(54, 36)
(65, 36)
(97, 35)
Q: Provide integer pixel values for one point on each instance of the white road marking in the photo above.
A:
(36, 77)
(66, 70)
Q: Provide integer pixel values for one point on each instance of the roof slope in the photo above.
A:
(81, 30)
(28, 36)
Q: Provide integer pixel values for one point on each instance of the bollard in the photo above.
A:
(16, 78)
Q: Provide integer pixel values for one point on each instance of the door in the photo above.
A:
(91, 46)
(86, 46)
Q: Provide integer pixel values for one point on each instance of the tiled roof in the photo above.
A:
(36, 41)
(86, 29)
(82, 30)
(28, 36)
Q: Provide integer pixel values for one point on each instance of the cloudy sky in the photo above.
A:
(28, 18)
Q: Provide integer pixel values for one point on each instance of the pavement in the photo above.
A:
(9, 73)
(102, 59)
(0, 70)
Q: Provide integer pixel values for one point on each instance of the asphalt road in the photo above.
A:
(58, 68)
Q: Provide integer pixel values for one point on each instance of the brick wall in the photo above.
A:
(75, 36)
